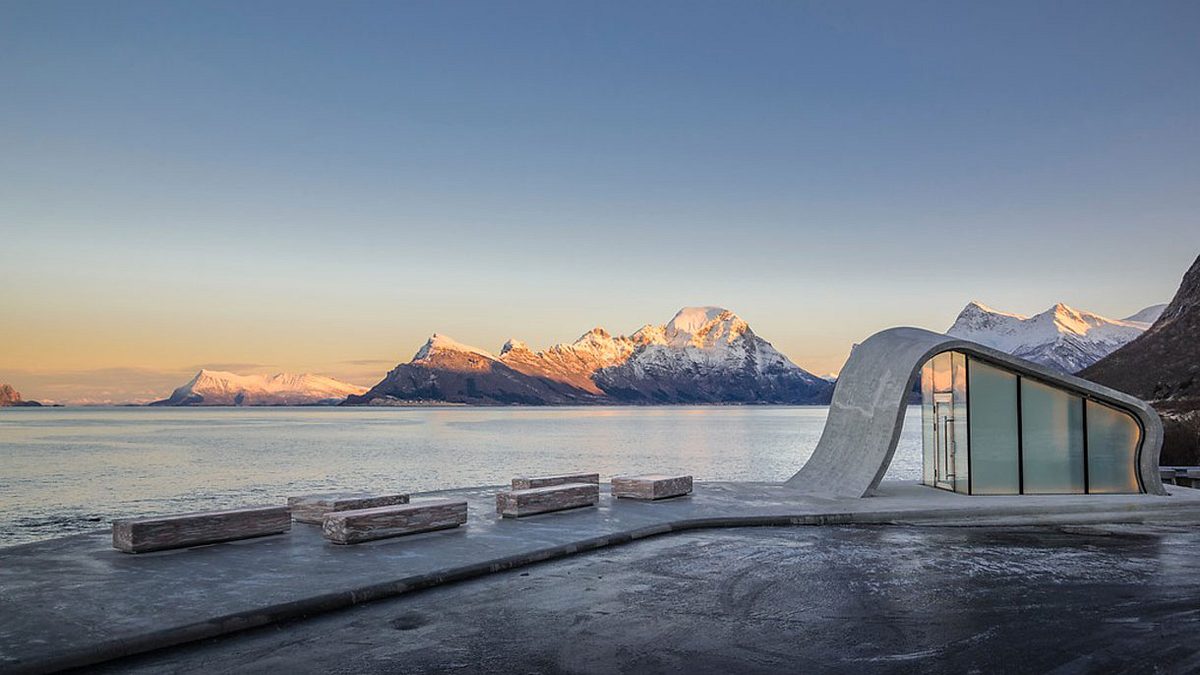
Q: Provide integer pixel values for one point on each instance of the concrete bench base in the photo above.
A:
(549, 481)
(352, 527)
(651, 487)
(139, 535)
(519, 503)
(312, 508)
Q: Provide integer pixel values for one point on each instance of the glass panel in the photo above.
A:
(958, 365)
(1052, 439)
(927, 423)
(993, 411)
(1113, 438)
(941, 372)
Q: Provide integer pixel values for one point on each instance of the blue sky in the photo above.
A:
(301, 185)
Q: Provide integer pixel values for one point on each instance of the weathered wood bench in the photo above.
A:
(651, 487)
(312, 508)
(524, 483)
(139, 535)
(352, 527)
(530, 501)
(1189, 478)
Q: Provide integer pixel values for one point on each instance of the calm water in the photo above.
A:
(66, 470)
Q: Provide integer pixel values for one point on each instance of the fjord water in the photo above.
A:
(69, 470)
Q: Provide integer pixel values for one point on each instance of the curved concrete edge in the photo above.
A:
(872, 393)
(320, 604)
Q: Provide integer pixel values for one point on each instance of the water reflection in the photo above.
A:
(66, 470)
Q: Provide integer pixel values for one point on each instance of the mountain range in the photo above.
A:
(1061, 338)
(1162, 366)
(216, 387)
(702, 355)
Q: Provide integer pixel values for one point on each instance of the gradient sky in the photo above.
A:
(268, 186)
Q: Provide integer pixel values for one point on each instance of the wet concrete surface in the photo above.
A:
(848, 599)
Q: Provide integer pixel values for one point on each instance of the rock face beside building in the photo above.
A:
(1163, 366)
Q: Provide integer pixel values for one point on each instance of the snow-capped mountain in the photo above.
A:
(444, 370)
(215, 387)
(709, 355)
(1147, 316)
(1061, 337)
(576, 363)
(703, 355)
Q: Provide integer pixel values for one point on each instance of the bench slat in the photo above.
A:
(519, 503)
(139, 535)
(528, 483)
(651, 487)
(352, 527)
(312, 508)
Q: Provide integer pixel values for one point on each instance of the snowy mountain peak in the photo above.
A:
(702, 355)
(513, 345)
(1148, 315)
(1062, 337)
(977, 306)
(704, 327)
(438, 343)
(692, 319)
(219, 387)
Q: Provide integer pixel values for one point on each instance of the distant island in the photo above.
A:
(11, 398)
(220, 388)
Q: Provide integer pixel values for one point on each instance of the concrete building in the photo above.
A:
(992, 424)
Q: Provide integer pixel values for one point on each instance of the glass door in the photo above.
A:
(943, 440)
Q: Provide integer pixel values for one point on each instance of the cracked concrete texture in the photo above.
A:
(842, 599)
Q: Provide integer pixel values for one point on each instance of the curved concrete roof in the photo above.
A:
(872, 394)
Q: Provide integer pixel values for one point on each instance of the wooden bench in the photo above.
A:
(1189, 478)
(530, 501)
(138, 535)
(312, 508)
(548, 481)
(352, 527)
(651, 487)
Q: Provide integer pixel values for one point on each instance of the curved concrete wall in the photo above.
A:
(872, 394)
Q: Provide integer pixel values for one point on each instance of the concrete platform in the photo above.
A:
(74, 601)
(859, 600)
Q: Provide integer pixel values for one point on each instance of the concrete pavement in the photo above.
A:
(860, 599)
(75, 601)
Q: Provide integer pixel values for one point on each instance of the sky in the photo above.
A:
(290, 186)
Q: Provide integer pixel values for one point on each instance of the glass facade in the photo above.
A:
(1112, 444)
(990, 431)
(959, 431)
(1051, 440)
(944, 422)
(994, 442)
